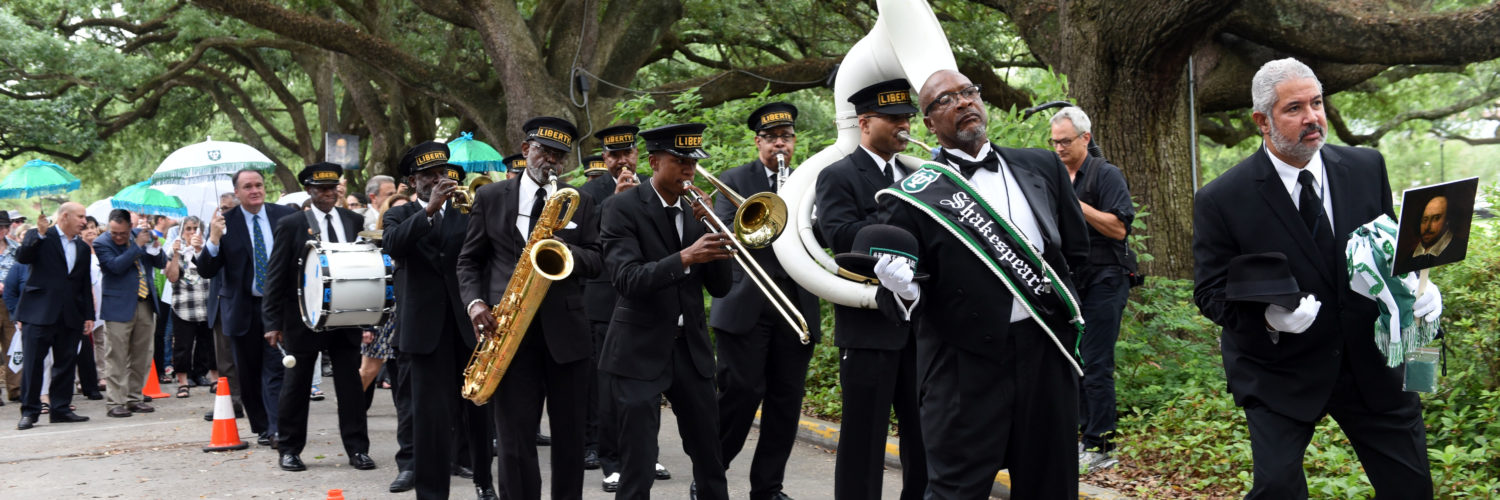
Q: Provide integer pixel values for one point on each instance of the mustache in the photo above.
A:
(1311, 128)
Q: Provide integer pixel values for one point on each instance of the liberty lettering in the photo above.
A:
(556, 135)
(619, 139)
(778, 116)
(689, 141)
(893, 97)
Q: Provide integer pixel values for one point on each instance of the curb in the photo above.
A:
(826, 435)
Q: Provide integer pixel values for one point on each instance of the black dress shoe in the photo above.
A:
(781, 495)
(263, 439)
(291, 462)
(486, 492)
(693, 490)
(662, 474)
(118, 412)
(67, 417)
(94, 397)
(405, 481)
(139, 408)
(463, 472)
(543, 439)
(361, 461)
(590, 460)
(26, 423)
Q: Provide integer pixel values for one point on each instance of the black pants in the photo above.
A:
(88, 368)
(1102, 299)
(161, 347)
(399, 371)
(292, 429)
(260, 374)
(763, 368)
(445, 415)
(606, 434)
(192, 347)
(36, 342)
(980, 416)
(638, 417)
(533, 376)
(873, 381)
(1392, 446)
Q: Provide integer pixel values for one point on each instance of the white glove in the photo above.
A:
(1428, 306)
(1286, 320)
(895, 275)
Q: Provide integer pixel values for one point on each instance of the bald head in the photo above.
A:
(70, 219)
(953, 110)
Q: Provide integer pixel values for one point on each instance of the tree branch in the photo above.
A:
(1472, 141)
(1373, 138)
(724, 86)
(1334, 31)
(1223, 128)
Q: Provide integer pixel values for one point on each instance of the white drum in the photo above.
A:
(345, 285)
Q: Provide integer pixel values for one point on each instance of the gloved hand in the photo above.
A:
(1429, 306)
(896, 276)
(1286, 320)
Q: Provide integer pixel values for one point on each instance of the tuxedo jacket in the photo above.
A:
(233, 269)
(846, 203)
(280, 308)
(1248, 210)
(54, 294)
(492, 244)
(643, 254)
(426, 260)
(964, 303)
(738, 311)
(598, 294)
(121, 279)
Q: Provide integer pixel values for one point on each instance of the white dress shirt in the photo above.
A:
(1002, 192)
(678, 222)
(1288, 175)
(896, 173)
(338, 224)
(250, 218)
(527, 191)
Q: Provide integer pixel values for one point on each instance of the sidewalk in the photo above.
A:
(826, 434)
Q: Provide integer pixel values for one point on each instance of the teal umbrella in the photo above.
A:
(142, 198)
(474, 156)
(37, 178)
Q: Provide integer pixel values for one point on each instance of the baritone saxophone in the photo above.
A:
(544, 261)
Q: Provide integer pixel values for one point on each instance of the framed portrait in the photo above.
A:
(1434, 226)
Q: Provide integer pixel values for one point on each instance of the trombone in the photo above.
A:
(740, 250)
(758, 220)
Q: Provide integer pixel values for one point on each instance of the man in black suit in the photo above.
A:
(620, 157)
(997, 372)
(237, 256)
(877, 357)
(660, 260)
(762, 360)
(551, 362)
(424, 239)
(1288, 368)
(56, 308)
(284, 324)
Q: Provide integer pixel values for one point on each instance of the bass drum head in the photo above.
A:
(313, 288)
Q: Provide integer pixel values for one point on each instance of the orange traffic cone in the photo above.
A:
(226, 436)
(153, 389)
(335, 494)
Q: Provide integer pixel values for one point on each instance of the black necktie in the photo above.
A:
(537, 202)
(1310, 206)
(672, 213)
(771, 181)
(990, 162)
(890, 172)
(333, 236)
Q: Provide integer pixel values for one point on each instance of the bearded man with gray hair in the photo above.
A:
(1300, 198)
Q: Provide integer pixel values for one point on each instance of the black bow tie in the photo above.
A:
(990, 162)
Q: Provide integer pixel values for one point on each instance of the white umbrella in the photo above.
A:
(298, 197)
(200, 194)
(99, 210)
(208, 158)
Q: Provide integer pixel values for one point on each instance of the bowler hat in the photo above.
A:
(1265, 278)
(871, 243)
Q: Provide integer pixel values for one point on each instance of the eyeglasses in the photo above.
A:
(787, 137)
(946, 99)
(1064, 143)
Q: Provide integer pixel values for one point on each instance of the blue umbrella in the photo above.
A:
(143, 199)
(37, 178)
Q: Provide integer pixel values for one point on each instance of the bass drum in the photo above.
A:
(906, 42)
(345, 285)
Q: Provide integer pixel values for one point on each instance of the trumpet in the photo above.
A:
(758, 220)
(905, 136)
(463, 198)
(741, 253)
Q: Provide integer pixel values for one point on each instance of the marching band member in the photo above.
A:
(660, 261)
(285, 326)
(762, 362)
(551, 361)
(424, 240)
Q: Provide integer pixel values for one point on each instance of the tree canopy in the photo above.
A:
(111, 87)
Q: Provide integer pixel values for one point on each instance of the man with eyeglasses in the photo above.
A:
(762, 361)
(1103, 282)
(997, 322)
(877, 357)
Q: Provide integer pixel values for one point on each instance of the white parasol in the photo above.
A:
(208, 158)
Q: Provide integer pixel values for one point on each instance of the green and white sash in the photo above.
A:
(1370, 255)
(954, 204)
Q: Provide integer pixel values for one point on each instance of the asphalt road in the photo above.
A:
(159, 455)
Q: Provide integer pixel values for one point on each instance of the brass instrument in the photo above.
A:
(463, 198)
(785, 306)
(543, 261)
(903, 135)
(758, 220)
